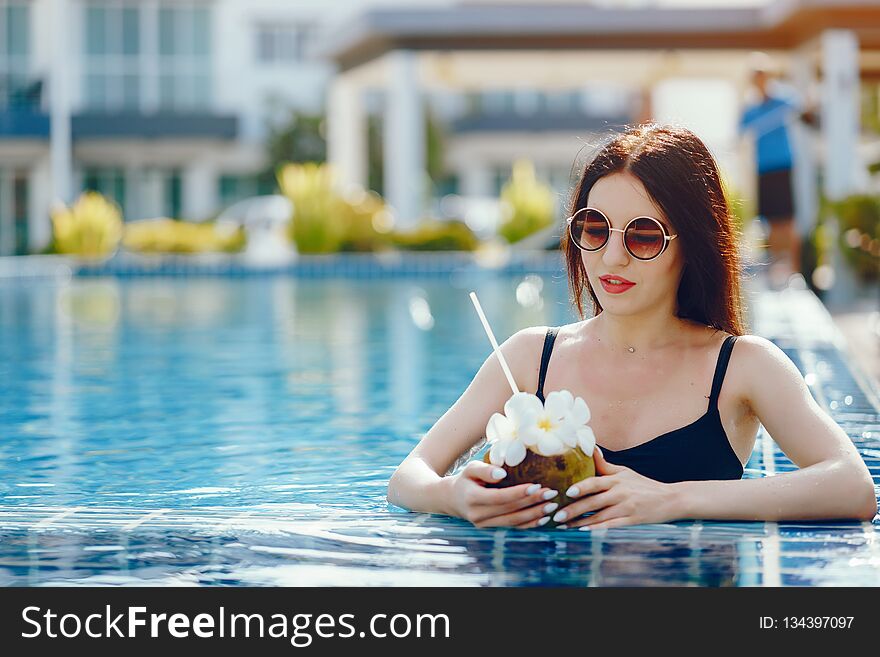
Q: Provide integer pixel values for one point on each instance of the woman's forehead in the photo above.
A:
(622, 196)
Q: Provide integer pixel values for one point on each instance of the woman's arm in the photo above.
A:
(832, 480)
(418, 483)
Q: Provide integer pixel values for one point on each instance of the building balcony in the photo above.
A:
(30, 123)
(161, 125)
(16, 123)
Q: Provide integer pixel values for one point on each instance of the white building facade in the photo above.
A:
(162, 105)
(165, 105)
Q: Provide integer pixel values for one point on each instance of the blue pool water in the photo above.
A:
(242, 431)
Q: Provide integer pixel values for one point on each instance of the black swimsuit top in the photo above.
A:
(698, 451)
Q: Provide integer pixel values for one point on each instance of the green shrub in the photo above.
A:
(317, 225)
(859, 221)
(742, 209)
(437, 236)
(325, 221)
(170, 236)
(528, 204)
(367, 223)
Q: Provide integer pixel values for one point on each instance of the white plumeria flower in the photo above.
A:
(548, 428)
(577, 414)
(503, 430)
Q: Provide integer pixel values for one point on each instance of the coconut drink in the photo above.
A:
(548, 443)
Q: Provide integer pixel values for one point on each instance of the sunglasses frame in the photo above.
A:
(667, 238)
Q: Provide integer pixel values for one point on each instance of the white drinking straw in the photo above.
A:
(494, 343)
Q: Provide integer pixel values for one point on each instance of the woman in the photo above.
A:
(651, 241)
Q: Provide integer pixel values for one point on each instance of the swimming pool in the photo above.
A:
(241, 431)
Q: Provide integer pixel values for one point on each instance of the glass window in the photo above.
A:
(17, 30)
(184, 57)
(173, 192)
(201, 32)
(95, 86)
(166, 90)
(233, 188)
(117, 75)
(110, 182)
(131, 36)
(96, 31)
(497, 102)
(16, 86)
(285, 44)
(131, 91)
(166, 31)
(19, 212)
(13, 212)
(202, 89)
(112, 46)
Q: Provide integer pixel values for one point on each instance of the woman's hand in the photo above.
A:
(619, 496)
(523, 506)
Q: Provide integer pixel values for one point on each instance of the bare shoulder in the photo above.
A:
(759, 369)
(756, 354)
(523, 353)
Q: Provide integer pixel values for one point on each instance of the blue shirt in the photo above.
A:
(767, 120)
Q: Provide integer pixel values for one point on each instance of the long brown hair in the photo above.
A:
(682, 177)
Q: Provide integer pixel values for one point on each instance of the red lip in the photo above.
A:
(606, 278)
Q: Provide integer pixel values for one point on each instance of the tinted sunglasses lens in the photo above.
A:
(590, 230)
(644, 238)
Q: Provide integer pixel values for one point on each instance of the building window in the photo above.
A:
(110, 182)
(497, 102)
(234, 188)
(172, 194)
(146, 57)
(13, 212)
(285, 44)
(142, 193)
(184, 57)
(562, 102)
(112, 56)
(14, 54)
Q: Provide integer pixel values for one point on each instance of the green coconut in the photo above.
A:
(557, 472)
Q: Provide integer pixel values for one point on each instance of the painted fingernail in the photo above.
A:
(534, 488)
(550, 494)
(561, 526)
(574, 491)
(498, 473)
(585, 528)
(559, 517)
(550, 508)
(543, 521)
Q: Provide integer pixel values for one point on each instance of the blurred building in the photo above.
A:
(684, 61)
(165, 105)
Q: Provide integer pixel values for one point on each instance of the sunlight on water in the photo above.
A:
(217, 431)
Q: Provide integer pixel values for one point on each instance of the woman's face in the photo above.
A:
(620, 197)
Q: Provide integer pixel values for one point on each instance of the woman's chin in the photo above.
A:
(557, 472)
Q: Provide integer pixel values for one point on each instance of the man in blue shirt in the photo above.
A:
(766, 121)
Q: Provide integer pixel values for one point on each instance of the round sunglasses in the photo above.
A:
(644, 238)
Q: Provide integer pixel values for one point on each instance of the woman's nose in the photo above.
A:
(615, 252)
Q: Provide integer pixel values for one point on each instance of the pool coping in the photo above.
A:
(492, 259)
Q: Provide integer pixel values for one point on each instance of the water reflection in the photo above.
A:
(261, 418)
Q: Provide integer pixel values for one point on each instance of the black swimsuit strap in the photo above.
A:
(720, 369)
(549, 339)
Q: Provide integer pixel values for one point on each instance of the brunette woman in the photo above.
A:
(676, 387)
